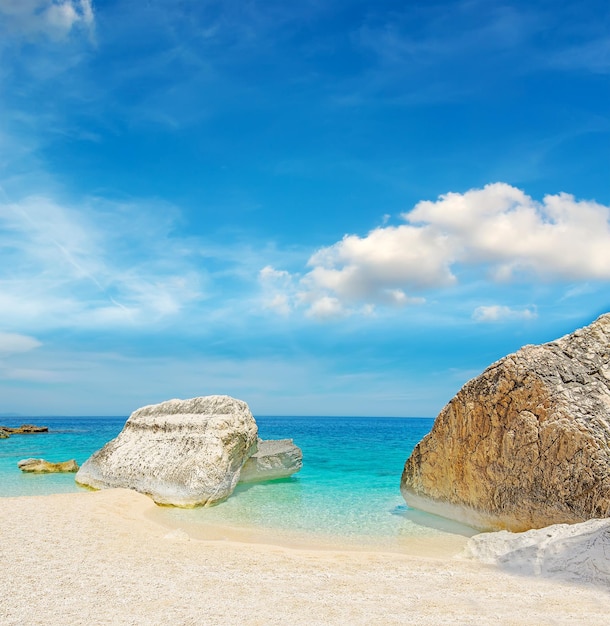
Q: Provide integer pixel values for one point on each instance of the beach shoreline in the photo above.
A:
(105, 558)
(430, 543)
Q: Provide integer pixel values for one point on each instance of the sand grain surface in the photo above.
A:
(100, 558)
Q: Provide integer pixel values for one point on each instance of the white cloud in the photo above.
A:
(14, 343)
(52, 18)
(559, 238)
(61, 17)
(278, 289)
(497, 313)
(498, 231)
(326, 308)
(270, 275)
(386, 259)
(95, 265)
(280, 304)
(577, 291)
(368, 310)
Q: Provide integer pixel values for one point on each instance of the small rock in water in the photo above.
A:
(27, 429)
(40, 466)
(274, 459)
(24, 429)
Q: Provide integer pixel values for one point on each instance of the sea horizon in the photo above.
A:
(17, 416)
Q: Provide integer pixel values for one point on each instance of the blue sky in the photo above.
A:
(325, 208)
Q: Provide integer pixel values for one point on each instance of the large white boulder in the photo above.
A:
(181, 452)
(571, 552)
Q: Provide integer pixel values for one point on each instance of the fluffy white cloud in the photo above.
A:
(559, 238)
(53, 18)
(326, 307)
(497, 230)
(496, 313)
(386, 259)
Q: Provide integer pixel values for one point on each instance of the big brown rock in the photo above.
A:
(526, 444)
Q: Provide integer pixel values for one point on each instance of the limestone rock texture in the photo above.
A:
(526, 444)
(40, 466)
(181, 452)
(274, 459)
(571, 552)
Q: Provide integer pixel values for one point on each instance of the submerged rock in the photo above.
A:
(40, 466)
(526, 444)
(274, 459)
(572, 552)
(180, 452)
(24, 429)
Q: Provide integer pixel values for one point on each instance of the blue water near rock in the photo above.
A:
(348, 487)
(68, 438)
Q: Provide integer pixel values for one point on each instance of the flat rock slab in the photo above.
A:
(40, 466)
(24, 429)
(274, 459)
(181, 452)
(571, 552)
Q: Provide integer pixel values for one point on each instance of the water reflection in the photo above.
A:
(434, 522)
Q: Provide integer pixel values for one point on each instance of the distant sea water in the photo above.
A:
(349, 486)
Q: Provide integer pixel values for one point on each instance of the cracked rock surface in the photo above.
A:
(527, 443)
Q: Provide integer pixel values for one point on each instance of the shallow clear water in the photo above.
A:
(68, 438)
(348, 487)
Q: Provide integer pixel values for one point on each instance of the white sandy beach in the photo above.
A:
(103, 558)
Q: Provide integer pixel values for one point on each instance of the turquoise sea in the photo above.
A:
(348, 487)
